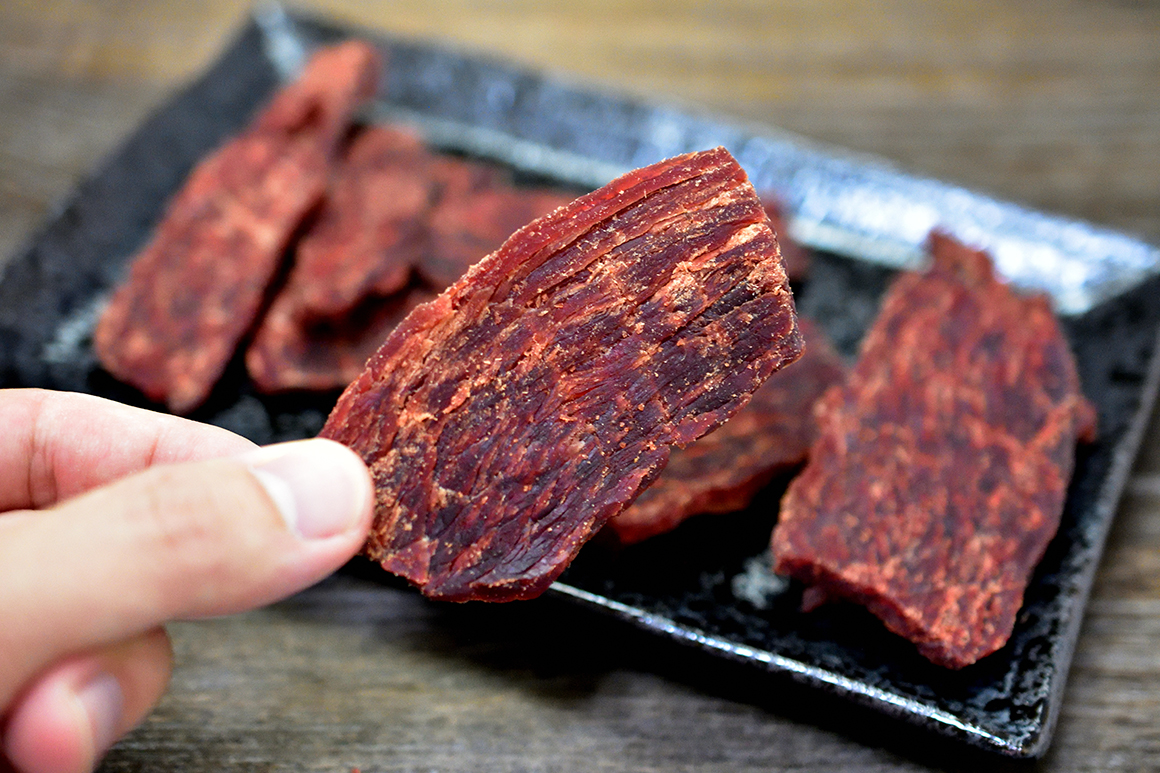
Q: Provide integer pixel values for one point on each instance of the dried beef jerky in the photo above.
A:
(370, 230)
(379, 224)
(942, 464)
(507, 420)
(347, 288)
(457, 177)
(467, 225)
(292, 353)
(197, 286)
(722, 471)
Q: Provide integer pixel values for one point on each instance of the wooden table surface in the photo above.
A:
(1052, 102)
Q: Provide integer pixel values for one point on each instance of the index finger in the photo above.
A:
(56, 445)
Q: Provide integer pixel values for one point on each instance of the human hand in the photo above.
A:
(116, 520)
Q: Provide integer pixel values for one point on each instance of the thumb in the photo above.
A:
(175, 541)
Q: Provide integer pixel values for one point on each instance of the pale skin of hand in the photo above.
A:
(116, 520)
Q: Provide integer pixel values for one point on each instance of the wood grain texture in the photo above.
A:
(1053, 102)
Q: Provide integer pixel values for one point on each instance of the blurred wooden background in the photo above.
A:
(1052, 102)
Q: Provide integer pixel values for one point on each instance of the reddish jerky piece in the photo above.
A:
(325, 354)
(721, 472)
(458, 177)
(370, 230)
(333, 311)
(343, 296)
(508, 419)
(797, 257)
(465, 227)
(942, 464)
(196, 287)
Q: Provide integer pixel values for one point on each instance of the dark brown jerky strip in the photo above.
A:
(291, 353)
(467, 225)
(507, 420)
(796, 257)
(332, 313)
(370, 231)
(459, 177)
(196, 287)
(722, 471)
(343, 296)
(942, 465)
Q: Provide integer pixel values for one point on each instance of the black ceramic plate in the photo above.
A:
(707, 583)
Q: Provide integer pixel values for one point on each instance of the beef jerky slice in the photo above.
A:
(338, 303)
(507, 420)
(379, 224)
(197, 286)
(468, 225)
(942, 464)
(458, 177)
(370, 230)
(721, 472)
(295, 353)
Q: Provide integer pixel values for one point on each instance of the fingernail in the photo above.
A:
(319, 486)
(104, 703)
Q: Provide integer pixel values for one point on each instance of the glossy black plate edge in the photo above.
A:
(889, 703)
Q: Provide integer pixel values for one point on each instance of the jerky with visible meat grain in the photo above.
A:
(721, 472)
(942, 464)
(506, 421)
(195, 289)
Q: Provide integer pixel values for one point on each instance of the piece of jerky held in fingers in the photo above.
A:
(195, 289)
(506, 421)
(721, 472)
(942, 464)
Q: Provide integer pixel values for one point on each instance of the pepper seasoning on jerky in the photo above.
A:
(942, 464)
(724, 470)
(196, 288)
(506, 421)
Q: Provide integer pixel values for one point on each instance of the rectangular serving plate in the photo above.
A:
(708, 583)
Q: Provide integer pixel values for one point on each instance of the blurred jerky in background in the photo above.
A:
(942, 464)
(398, 226)
(198, 285)
(468, 224)
(369, 231)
